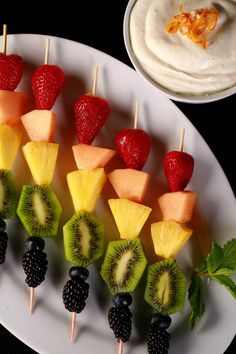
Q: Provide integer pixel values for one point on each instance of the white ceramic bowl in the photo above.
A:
(172, 95)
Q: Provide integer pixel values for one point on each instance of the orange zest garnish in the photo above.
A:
(196, 25)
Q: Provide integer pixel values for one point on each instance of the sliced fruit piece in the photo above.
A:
(129, 184)
(178, 168)
(40, 125)
(123, 265)
(91, 113)
(9, 142)
(83, 239)
(12, 106)
(41, 159)
(169, 237)
(8, 195)
(166, 286)
(88, 157)
(129, 217)
(134, 146)
(177, 206)
(39, 210)
(85, 188)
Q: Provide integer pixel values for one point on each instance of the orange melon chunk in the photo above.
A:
(12, 106)
(129, 184)
(177, 206)
(88, 157)
(40, 125)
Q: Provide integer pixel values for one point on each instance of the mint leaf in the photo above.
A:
(227, 282)
(229, 254)
(223, 271)
(202, 268)
(196, 300)
(215, 258)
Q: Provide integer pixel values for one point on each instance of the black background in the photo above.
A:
(99, 24)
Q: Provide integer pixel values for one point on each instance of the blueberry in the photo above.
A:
(78, 273)
(34, 243)
(122, 299)
(160, 321)
(2, 225)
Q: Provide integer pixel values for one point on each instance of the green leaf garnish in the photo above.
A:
(227, 282)
(196, 300)
(229, 255)
(202, 267)
(215, 258)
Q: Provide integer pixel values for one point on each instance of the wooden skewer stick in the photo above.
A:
(121, 347)
(181, 142)
(47, 46)
(4, 39)
(73, 325)
(95, 80)
(136, 113)
(31, 304)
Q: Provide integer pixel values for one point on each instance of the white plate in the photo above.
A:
(47, 330)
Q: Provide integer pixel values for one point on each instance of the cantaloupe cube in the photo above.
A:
(88, 157)
(129, 184)
(41, 159)
(129, 217)
(169, 237)
(40, 125)
(177, 206)
(12, 106)
(85, 188)
(9, 142)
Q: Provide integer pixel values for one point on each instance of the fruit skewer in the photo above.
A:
(12, 105)
(84, 233)
(125, 261)
(169, 236)
(39, 209)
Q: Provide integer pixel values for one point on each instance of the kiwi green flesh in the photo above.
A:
(83, 239)
(123, 265)
(8, 195)
(166, 286)
(39, 210)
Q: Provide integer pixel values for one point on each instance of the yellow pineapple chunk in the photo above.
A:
(9, 142)
(85, 187)
(169, 237)
(129, 217)
(41, 159)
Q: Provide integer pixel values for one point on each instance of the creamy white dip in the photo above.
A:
(174, 61)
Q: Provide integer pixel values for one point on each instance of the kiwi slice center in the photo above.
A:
(39, 208)
(2, 195)
(164, 288)
(122, 266)
(84, 240)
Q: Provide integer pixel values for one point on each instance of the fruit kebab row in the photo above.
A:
(12, 106)
(125, 261)
(84, 233)
(39, 209)
(166, 284)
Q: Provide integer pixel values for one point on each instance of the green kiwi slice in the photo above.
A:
(8, 195)
(39, 210)
(83, 239)
(166, 285)
(123, 265)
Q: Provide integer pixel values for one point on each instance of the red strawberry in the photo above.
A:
(134, 146)
(11, 71)
(178, 167)
(91, 113)
(47, 82)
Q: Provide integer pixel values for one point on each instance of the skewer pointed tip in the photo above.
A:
(73, 325)
(121, 346)
(31, 304)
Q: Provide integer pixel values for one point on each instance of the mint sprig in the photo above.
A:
(219, 265)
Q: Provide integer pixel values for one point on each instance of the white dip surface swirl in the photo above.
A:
(174, 61)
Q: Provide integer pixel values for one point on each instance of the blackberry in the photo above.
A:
(35, 266)
(3, 246)
(2, 225)
(157, 340)
(122, 299)
(75, 293)
(34, 243)
(79, 273)
(119, 319)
